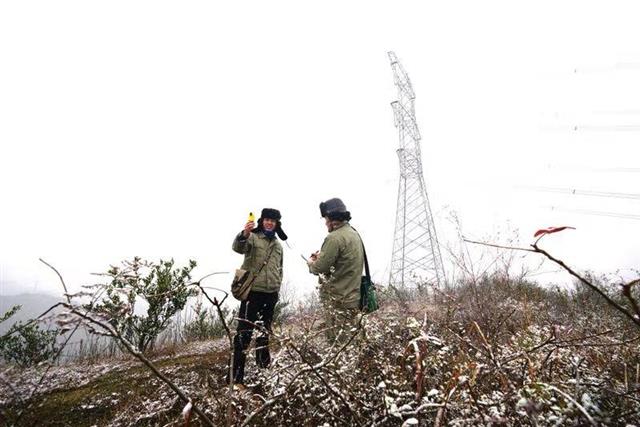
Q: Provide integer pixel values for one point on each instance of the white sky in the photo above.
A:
(153, 128)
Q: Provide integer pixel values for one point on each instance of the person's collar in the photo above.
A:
(262, 234)
(338, 225)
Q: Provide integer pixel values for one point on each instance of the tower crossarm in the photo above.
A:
(404, 120)
(401, 78)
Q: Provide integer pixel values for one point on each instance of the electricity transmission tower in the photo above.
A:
(416, 253)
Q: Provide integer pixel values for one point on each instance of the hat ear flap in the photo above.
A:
(323, 209)
(280, 232)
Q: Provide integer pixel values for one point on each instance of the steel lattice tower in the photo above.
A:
(416, 253)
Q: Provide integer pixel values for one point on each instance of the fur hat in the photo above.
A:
(273, 214)
(335, 210)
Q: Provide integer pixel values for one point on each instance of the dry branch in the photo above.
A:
(138, 354)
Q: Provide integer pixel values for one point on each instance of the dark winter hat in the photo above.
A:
(334, 209)
(271, 213)
(275, 215)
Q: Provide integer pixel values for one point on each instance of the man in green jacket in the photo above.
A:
(339, 264)
(263, 256)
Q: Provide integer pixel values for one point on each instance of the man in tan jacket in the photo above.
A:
(339, 264)
(263, 256)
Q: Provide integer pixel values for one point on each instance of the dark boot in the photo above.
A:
(240, 343)
(263, 358)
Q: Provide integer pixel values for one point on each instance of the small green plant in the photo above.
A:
(27, 344)
(142, 297)
(281, 312)
(207, 323)
(13, 310)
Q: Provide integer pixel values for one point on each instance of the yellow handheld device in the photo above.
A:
(251, 217)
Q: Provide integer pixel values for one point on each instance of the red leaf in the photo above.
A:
(550, 230)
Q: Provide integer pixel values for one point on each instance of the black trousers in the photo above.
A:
(257, 308)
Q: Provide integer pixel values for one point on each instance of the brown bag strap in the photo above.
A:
(266, 260)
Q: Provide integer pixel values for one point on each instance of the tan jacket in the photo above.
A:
(340, 261)
(255, 249)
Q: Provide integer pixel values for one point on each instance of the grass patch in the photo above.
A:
(103, 399)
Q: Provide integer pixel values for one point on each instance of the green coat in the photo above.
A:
(340, 261)
(255, 249)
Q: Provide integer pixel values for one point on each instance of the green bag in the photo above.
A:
(368, 298)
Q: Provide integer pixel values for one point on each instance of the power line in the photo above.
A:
(573, 191)
(608, 128)
(598, 213)
(619, 66)
(623, 170)
(592, 169)
(618, 112)
(590, 128)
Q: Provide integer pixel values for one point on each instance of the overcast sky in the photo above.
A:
(153, 128)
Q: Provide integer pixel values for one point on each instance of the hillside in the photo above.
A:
(112, 392)
(33, 305)
(495, 351)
